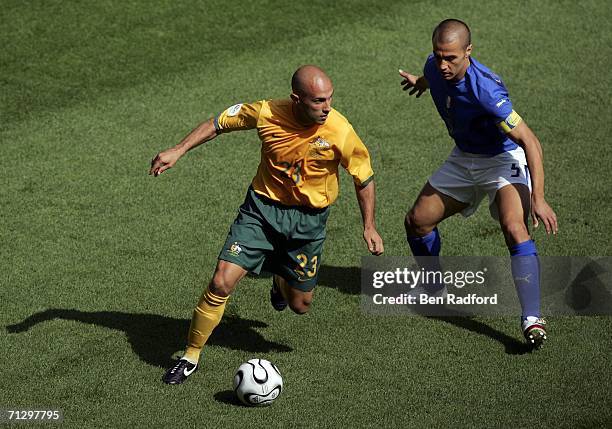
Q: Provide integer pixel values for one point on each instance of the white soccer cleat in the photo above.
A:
(534, 330)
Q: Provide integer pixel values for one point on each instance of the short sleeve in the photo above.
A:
(494, 99)
(243, 116)
(356, 159)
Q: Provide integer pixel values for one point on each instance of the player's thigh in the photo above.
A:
(513, 207)
(298, 264)
(246, 246)
(226, 277)
(431, 207)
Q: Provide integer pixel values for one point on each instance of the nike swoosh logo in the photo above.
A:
(188, 373)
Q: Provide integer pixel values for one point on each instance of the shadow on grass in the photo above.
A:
(228, 397)
(511, 345)
(156, 338)
(348, 280)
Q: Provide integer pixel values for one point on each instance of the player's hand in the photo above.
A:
(164, 160)
(374, 241)
(418, 84)
(542, 212)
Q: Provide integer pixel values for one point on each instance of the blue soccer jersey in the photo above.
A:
(476, 110)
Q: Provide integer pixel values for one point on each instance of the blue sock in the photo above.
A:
(426, 251)
(429, 245)
(526, 274)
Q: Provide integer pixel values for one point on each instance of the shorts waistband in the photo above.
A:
(303, 209)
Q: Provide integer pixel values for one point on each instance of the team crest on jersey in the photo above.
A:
(317, 146)
(321, 143)
(233, 111)
(234, 249)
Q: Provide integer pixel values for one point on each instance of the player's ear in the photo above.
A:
(295, 97)
(468, 50)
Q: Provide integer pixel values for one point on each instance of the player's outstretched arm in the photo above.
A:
(540, 210)
(167, 159)
(418, 84)
(366, 196)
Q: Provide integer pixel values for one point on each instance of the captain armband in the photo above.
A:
(510, 122)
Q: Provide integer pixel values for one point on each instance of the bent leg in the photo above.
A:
(430, 208)
(210, 308)
(299, 301)
(513, 206)
(296, 267)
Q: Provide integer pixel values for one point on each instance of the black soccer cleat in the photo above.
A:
(179, 372)
(276, 297)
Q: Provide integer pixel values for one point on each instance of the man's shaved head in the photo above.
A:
(452, 47)
(451, 30)
(312, 92)
(308, 79)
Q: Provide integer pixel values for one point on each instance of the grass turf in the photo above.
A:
(102, 265)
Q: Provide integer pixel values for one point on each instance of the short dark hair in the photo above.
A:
(450, 27)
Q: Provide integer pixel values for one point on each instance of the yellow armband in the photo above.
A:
(510, 122)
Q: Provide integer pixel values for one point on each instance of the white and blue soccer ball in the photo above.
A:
(258, 382)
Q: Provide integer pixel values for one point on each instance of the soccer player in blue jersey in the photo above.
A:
(495, 154)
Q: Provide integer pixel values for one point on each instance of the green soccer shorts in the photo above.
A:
(283, 240)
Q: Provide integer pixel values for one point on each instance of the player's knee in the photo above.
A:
(300, 306)
(515, 232)
(415, 226)
(220, 286)
(410, 223)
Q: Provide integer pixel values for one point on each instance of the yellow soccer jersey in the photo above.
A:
(299, 165)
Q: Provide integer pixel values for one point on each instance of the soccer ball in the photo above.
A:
(257, 382)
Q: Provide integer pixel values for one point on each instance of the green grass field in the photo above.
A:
(102, 265)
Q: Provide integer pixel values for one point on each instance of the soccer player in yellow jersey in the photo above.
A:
(280, 227)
